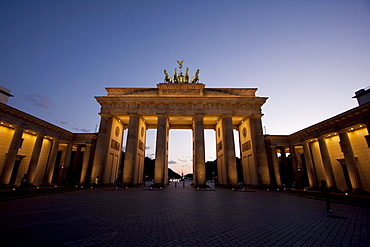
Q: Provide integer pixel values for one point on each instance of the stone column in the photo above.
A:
(76, 164)
(350, 161)
(259, 151)
(328, 168)
(102, 146)
(85, 163)
(31, 172)
(11, 156)
(312, 179)
(161, 152)
(293, 158)
(275, 161)
(131, 150)
(65, 163)
(199, 151)
(51, 162)
(229, 147)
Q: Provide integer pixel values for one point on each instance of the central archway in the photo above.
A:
(188, 106)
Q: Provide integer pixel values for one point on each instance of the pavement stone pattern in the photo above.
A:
(180, 216)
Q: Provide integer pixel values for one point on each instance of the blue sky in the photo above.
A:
(307, 57)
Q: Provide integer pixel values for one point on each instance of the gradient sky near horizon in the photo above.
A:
(307, 57)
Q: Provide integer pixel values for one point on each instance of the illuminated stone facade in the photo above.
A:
(335, 150)
(181, 106)
(46, 153)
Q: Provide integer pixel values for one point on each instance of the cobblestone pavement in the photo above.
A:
(180, 216)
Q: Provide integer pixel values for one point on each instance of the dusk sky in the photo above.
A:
(307, 57)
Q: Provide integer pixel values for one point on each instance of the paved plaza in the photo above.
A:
(180, 216)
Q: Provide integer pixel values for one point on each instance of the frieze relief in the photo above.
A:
(173, 107)
(181, 92)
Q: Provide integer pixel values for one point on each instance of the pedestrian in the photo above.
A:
(96, 181)
(326, 194)
(117, 183)
(24, 182)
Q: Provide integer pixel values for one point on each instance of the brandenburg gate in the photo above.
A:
(180, 103)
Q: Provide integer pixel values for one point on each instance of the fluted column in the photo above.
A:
(11, 156)
(102, 146)
(328, 168)
(31, 172)
(51, 162)
(259, 151)
(275, 161)
(229, 147)
(131, 150)
(312, 179)
(161, 151)
(350, 161)
(85, 163)
(199, 151)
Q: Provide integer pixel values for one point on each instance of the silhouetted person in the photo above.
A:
(24, 182)
(117, 182)
(326, 194)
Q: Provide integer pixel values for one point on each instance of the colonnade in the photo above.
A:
(135, 144)
(44, 159)
(330, 157)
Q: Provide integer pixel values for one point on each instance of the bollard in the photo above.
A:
(175, 184)
(183, 184)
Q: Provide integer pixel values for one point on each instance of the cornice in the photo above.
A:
(357, 115)
(27, 121)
